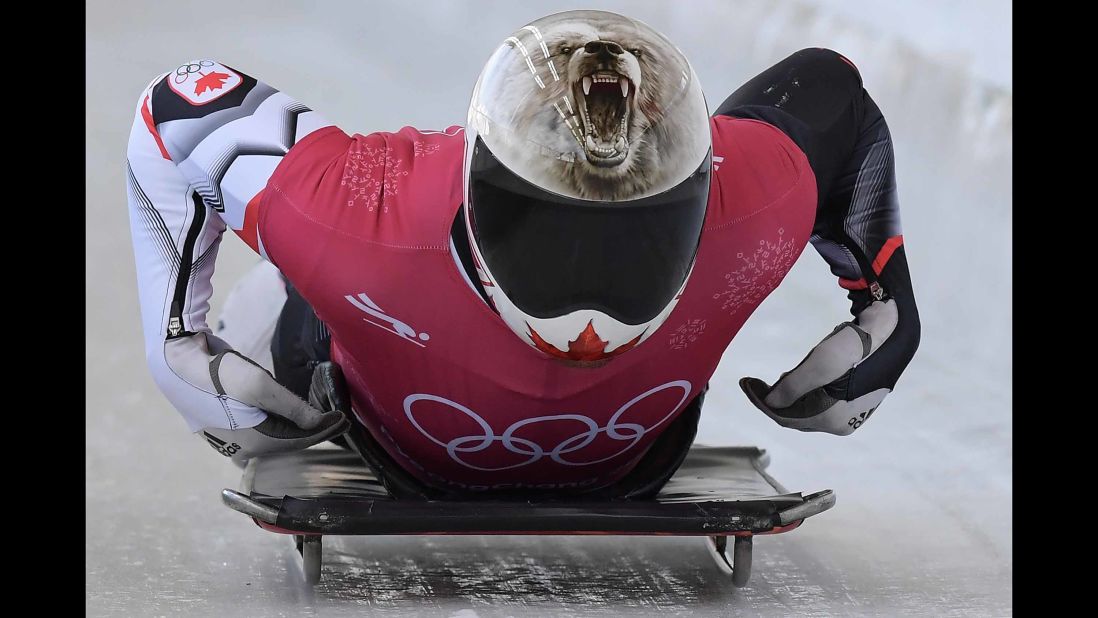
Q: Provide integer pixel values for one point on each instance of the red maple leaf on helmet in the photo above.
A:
(210, 81)
(586, 347)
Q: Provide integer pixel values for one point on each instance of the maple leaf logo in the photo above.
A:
(587, 346)
(210, 81)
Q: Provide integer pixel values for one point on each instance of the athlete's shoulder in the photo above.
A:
(755, 165)
(426, 167)
(393, 188)
(410, 179)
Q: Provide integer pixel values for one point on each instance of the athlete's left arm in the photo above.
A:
(816, 98)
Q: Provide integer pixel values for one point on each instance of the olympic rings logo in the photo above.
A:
(565, 452)
(183, 73)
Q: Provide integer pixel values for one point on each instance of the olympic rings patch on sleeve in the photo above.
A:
(202, 81)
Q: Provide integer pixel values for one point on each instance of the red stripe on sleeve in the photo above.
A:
(850, 284)
(886, 252)
(250, 232)
(146, 114)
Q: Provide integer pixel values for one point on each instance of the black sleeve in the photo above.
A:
(816, 98)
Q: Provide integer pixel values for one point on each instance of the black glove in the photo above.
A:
(328, 390)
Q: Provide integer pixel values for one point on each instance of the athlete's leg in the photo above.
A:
(300, 343)
(265, 319)
(252, 308)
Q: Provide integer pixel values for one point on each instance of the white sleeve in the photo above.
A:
(189, 173)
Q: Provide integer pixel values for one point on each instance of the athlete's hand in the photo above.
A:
(328, 389)
(291, 423)
(815, 395)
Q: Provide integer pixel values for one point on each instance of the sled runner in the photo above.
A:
(718, 492)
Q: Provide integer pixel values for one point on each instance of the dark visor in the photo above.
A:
(553, 254)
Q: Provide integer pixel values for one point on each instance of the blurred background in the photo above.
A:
(923, 521)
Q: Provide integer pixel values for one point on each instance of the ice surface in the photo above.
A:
(923, 521)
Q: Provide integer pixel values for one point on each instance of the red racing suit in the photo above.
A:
(361, 226)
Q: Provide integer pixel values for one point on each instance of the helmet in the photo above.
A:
(587, 165)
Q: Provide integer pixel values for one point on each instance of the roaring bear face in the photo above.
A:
(592, 105)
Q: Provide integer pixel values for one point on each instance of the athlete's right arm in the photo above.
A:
(205, 140)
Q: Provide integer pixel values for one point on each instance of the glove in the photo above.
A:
(328, 390)
(815, 395)
(291, 423)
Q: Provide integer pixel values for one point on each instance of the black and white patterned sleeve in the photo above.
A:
(205, 139)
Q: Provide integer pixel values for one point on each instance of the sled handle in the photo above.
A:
(239, 502)
(813, 504)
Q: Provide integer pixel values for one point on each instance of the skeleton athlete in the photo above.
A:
(538, 299)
